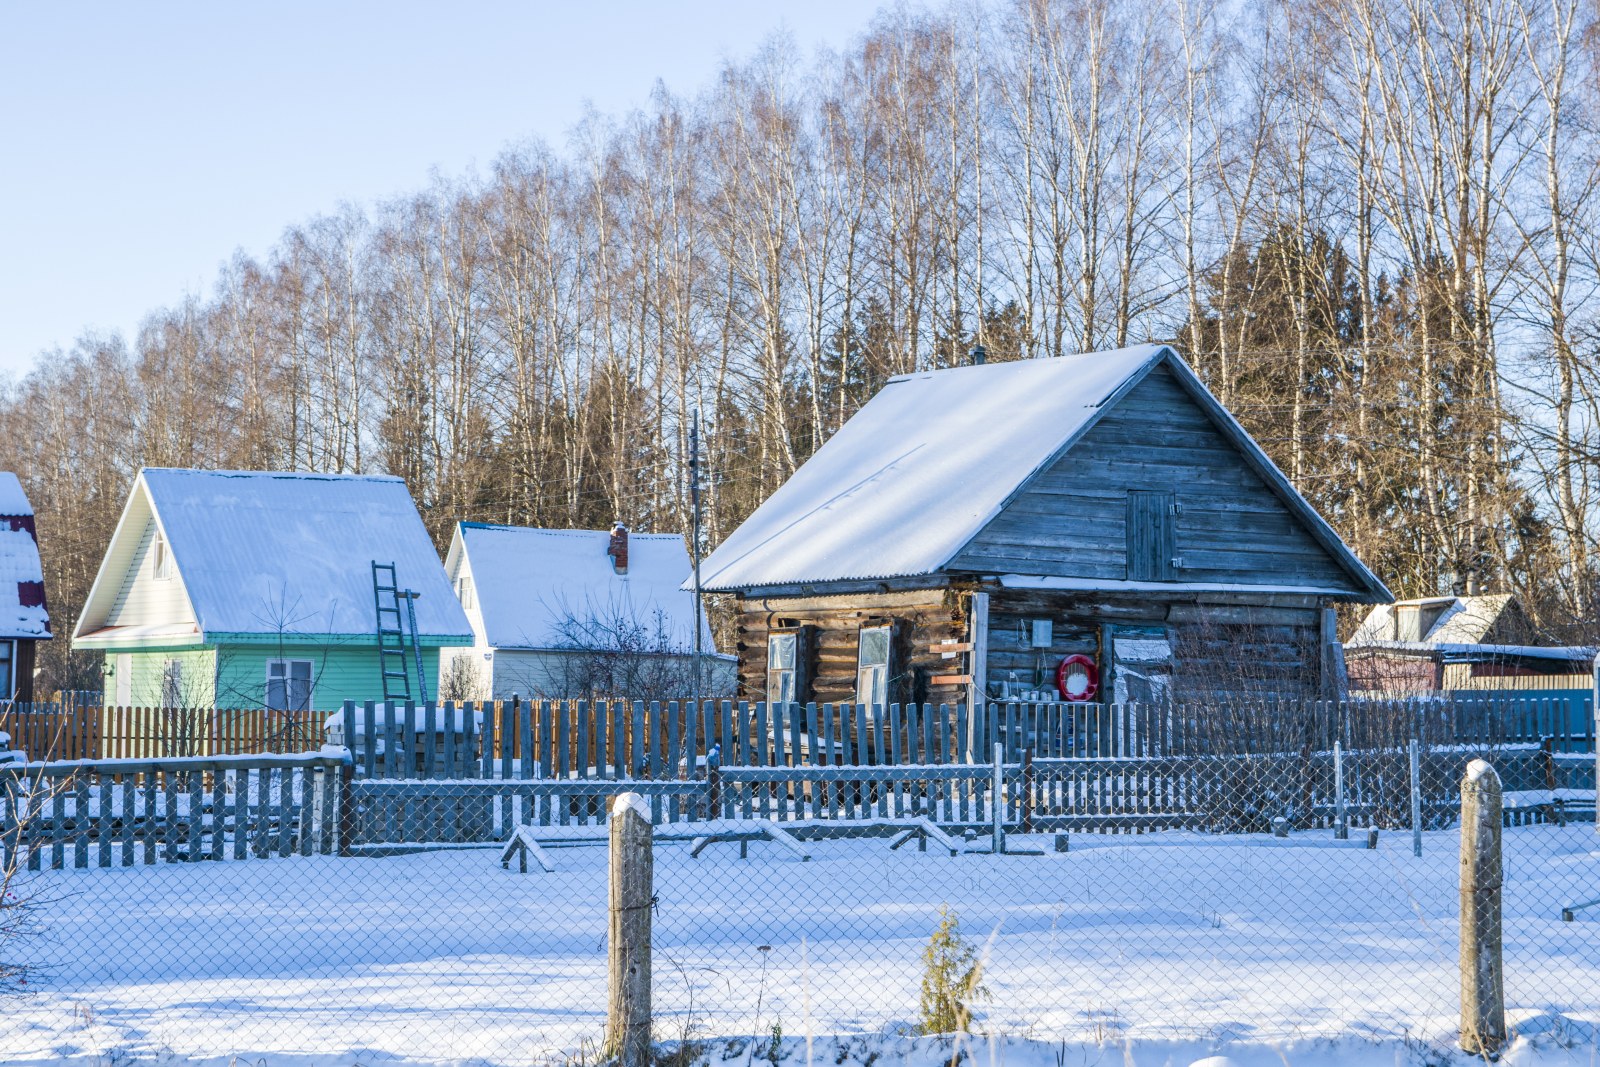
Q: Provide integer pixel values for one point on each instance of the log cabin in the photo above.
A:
(1093, 527)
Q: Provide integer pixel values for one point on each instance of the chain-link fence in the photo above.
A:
(807, 904)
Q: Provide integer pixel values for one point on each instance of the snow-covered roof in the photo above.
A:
(533, 586)
(270, 553)
(933, 457)
(1449, 651)
(22, 607)
(1462, 620)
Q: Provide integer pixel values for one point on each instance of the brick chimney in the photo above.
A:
(617, 551)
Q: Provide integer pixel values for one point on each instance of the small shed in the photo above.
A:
(254, 589)
(1456, 644)
(572, 613)
(24, 616)
(1090, 527)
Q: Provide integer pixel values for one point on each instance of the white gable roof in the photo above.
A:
(528, 582)
(933, 457)
(264, 553)
(1464, 621)
(22, 606)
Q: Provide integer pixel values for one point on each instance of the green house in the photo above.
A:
(253, 589)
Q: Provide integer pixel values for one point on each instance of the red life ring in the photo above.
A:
(1085, 678)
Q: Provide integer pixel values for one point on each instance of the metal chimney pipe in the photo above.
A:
(979, 355)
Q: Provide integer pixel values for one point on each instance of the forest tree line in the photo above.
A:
(1371, 225)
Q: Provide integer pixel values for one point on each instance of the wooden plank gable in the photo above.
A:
(1072, 519)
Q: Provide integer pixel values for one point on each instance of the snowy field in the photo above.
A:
(1154, 950)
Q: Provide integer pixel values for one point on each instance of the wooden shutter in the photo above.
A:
(1152, 535)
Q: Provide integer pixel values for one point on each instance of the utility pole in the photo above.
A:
(694, 543)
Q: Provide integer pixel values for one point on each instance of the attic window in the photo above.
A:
(163, 559)
(1152, 539)
(464, 592)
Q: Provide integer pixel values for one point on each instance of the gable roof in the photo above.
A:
(279, 554)
(533, 585)
(914, 475)
(22, 608)
(1463, 620)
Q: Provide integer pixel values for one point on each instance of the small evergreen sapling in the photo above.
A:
(952, 976)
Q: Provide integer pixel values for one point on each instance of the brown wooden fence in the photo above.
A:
(55, 732)
(509, 739)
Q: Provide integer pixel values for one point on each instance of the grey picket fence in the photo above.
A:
(107, 813)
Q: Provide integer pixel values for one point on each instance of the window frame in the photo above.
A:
(172, 683)
(8, 669)
(161, 564)
(873, 678)
(286, 679)
(779, 676)
(465, 593)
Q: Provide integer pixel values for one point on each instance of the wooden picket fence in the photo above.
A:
(57, 732)
(511, 739)
(108, 813)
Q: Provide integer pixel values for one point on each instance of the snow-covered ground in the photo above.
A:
(1161, 949)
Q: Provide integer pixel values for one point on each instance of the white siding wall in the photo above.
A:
(144, 599)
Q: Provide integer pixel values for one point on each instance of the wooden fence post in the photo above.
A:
(632, 896)
(1483, 1007)
(1341, 815)
(1415, 759)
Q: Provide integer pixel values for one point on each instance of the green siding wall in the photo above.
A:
(235, 675)
(146, 670)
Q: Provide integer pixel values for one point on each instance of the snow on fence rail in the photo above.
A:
(136, 811)
(122, 812)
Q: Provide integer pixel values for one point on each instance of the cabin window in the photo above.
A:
(288, 685)
(464, 592)
(172, 684)
(1152, 536)
(8, 661)
(163, 559)
(782, 656)
(872, 666)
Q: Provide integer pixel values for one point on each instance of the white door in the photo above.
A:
(124, 679)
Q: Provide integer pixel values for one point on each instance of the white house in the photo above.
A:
(569, 613)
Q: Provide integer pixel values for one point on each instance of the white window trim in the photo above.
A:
(465, 592)
(161, 563)
(287, 677)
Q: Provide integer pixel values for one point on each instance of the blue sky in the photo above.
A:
(141, 144)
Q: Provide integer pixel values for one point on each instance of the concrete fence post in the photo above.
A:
(632, 897)
(1483, 1006)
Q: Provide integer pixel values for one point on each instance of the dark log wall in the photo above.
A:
(921, 619)
(1071, 520)
(1221, 644)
